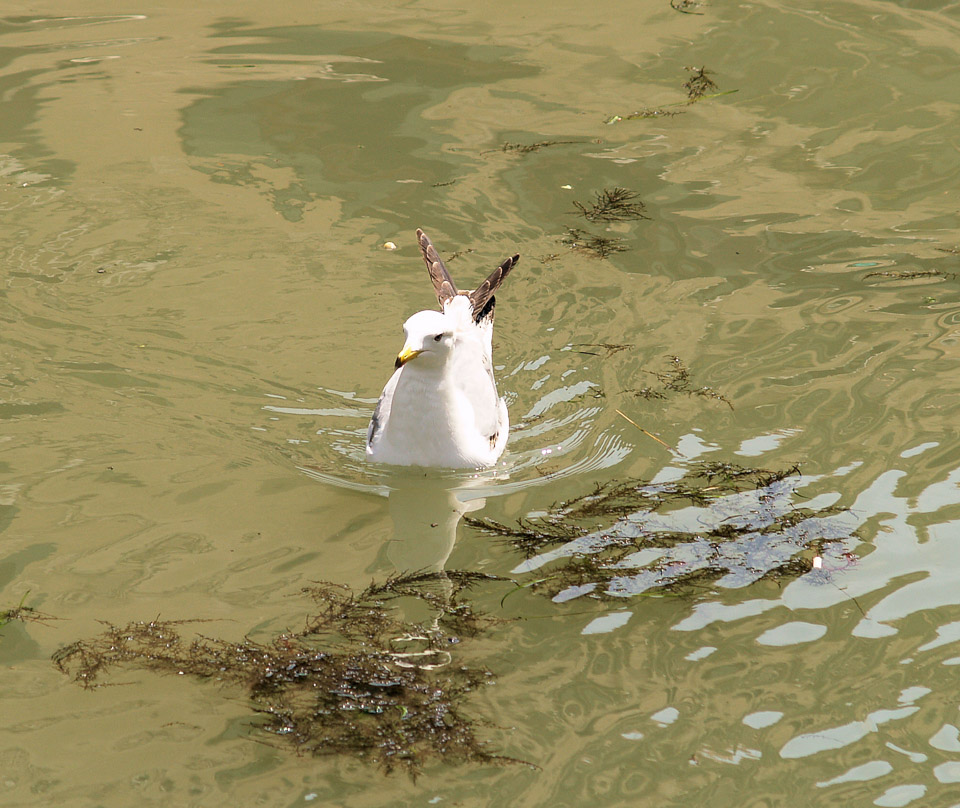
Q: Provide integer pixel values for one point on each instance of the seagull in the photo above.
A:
(441, 407)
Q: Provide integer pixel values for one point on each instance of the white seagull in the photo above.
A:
(440, 407)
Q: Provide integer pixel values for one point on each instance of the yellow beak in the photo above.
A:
(405, 356)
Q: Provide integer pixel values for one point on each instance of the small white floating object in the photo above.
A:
(389, 245)
(567, 187)
(817, 562)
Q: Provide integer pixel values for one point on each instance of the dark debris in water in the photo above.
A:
(675, 378)
(23, 614)
(459, 254)
(601, 246)
(355, 680)
(721, 524)
(646, 112)
(909, 275)
(686, 6)
(613, 205)
(527, 148)
(699, 84)
(609, 348)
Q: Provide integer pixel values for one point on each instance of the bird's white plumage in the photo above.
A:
(441, 406)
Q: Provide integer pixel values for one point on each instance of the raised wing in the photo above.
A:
(443, 284)
(482, 297)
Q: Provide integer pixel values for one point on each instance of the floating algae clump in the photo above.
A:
(23, 614)
(601, 246)
(613, 205)
(676, 379)
(720, 524)
(347, 683)
(699, 84)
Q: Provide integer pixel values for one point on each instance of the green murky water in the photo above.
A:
(197, 314)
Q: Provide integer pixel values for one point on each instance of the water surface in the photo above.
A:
(198, 314)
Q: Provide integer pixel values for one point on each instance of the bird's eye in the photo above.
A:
(437, 338)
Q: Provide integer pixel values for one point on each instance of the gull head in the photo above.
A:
(430, 336)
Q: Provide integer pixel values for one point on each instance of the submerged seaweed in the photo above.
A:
(645, 112)
(610, 348)
(676, 379)
(909, 275)
(526, 148)
(600, 246)
(23, 614)
(356, 680)
(699, 84)
(459, 254)
(721, 524)
(613, 205)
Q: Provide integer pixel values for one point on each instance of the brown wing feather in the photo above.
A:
(443, 284)
(482, 296)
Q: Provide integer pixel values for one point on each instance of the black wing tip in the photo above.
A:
(486, 313)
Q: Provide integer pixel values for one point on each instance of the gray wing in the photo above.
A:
(443, 284)
(382, 412)
(482, 297)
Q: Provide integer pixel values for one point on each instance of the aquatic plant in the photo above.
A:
(23, 614)
(609, 348)
(600, 246)
(676, 379)
(355, 680)
(645, 112)
(909, 275)
(686, 6)
(699, 84)
(613, 205)
(527, 148)
(720, 524)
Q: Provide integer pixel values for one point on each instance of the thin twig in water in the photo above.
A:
(644, 431)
